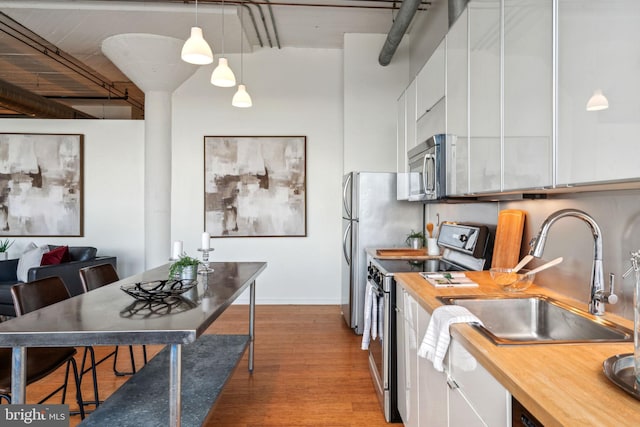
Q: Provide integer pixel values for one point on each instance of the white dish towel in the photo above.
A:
(436, 340)
(370, 316)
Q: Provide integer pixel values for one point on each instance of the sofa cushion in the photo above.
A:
(79, 253)
(56, 256)
(5, 293)
(28, 260)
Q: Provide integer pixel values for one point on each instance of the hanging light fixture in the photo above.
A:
(598, 101)
(196, 50)
(222, 75)
(241, 99)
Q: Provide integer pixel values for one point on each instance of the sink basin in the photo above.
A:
(538, 320)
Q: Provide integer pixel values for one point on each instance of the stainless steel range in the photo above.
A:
(466, 247)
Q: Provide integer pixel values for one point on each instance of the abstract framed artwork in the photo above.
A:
(255, 186)
(41, 185)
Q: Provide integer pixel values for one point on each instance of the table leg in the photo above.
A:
(175, 384)
(252, 319)
(18, 375)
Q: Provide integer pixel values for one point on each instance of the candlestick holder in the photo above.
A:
(204, 265)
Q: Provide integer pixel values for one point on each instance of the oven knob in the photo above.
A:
(463, 238)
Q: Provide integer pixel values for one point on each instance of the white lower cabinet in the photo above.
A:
(464, 395)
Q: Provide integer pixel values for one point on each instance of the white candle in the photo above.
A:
(177, 249)
(206, 237)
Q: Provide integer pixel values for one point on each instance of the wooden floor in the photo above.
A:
(309, 371)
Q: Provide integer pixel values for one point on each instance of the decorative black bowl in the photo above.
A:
(158, 289)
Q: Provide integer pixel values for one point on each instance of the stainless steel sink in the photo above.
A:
(538, 320)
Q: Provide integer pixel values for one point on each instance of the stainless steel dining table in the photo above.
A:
(109, 316)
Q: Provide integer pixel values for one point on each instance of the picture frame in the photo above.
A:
(41, 185)
(255, 186)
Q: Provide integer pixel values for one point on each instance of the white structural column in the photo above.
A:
(153, 63)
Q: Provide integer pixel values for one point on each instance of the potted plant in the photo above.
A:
(185, 268)
(416, 239)
(4, 247)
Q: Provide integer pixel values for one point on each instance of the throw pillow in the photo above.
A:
(28, 260)
(56, 256)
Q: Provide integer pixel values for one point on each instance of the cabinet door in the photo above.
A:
(432, 385)
(456, 105)
(411, 115)
(402, 163)
(598, 50)
(484, 96)
(528, 94)
(411, 399)
(430, 81)
(488, 398)
(401, 351)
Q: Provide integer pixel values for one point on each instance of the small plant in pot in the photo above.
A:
(185, 268)
(416, 239)
(4, 247)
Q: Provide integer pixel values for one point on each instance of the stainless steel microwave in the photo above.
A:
(428, 169)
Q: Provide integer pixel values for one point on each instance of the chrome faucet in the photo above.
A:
(598, 296)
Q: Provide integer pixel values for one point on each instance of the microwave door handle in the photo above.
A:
(429, 189)
(425, 179)
(435, 173)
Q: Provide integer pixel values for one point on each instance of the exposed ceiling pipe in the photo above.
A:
(407, 11)
(28, 103)
(455, 9)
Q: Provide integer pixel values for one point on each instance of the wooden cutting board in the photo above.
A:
(506, 248)
(399, 252)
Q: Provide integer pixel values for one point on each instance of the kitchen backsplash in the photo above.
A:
(616, 212)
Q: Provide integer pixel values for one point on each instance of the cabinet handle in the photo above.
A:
(452, 383)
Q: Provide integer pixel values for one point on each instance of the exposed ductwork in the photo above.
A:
(455, 9)
(405, 14)
(31, 105)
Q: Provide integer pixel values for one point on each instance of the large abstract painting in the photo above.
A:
(41, 185)
(255, 186)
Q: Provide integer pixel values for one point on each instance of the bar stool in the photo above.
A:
(94, 277)
(42, 361)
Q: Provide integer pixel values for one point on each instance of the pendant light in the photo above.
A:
(598, 101)
(222, 75)
(241, 99)
(196, 50)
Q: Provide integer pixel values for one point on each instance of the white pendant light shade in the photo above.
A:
(241, 99)
(598, 101)
(223, 76)
(196, 50)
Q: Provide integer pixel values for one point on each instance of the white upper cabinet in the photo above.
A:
(410, 110)
(598, 50)
(528, 94)
(484, 96)
(457, 91)
(431, 80)
(430, 94)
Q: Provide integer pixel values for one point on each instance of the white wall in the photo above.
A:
(295, 92)
(113, 187)
(370, 95)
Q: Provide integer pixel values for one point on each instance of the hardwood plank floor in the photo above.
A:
(309, 371)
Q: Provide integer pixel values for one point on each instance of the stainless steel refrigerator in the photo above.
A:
(371, 218)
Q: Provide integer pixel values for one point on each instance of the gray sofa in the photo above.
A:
(80, 257)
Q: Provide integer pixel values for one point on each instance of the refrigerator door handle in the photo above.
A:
(347, 185)
(344, 243)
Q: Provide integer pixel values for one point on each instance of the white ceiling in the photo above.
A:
(78, 27)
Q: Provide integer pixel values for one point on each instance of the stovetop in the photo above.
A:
(390, 266)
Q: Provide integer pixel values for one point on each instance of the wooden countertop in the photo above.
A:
(400, 253)
(561, 384)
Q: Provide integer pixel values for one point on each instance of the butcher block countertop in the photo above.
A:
(560, 384)
(401, 253)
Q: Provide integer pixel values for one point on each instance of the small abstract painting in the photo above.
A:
(255, 186)
(41, 185)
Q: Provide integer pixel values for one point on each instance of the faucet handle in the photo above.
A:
(611, 298)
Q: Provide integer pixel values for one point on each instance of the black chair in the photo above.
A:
(94, 277)
(41, 361)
